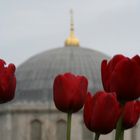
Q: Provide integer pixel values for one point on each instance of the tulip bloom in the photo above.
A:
(101, 112)
(7, 82)
(131, 114)
(69, 92)
(122, 75)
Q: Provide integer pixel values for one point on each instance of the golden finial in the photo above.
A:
(72, 40)
(72, 23)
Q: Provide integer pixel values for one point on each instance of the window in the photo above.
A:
(36, 130)
(61, 130)
(86, 134)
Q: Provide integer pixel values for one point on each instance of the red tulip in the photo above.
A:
(122, 75)
(70, 92)
(131, 114)
(7, 82)
(101, 112)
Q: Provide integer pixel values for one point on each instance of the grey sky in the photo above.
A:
(28, 27)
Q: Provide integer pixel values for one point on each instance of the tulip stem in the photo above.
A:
(119, 130)
(97, 135)
(122, 135)
(69, 116)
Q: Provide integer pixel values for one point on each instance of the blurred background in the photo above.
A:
(32, 26)
(28, 27)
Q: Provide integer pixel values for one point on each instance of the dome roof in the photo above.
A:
(35, 76)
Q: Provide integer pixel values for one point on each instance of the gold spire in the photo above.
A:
(72, 40)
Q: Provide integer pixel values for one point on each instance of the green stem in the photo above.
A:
(119, 130)
(97, 135)
(69, 115)
(122, 135)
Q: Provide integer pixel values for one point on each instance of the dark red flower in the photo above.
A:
(101, 112)
(7, 82)
(122, 75)
(131, 114)
(69, 92)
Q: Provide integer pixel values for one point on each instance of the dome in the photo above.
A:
(35, 76)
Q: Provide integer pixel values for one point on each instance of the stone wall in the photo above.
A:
(16, 124)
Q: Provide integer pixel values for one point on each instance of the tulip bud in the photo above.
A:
(7, 82)
(131, 114)
(101, 112)
(69, 92)
(122, 75)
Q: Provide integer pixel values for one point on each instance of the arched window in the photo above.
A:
(36, 130)
(86, 134)
(61, 130)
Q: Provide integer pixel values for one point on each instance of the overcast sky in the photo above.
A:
(28, 27)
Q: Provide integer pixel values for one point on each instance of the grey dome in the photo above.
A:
(35, 76)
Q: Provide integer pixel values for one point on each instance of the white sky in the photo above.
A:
(28, 27)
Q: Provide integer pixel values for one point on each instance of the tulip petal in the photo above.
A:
(101, 112)
(104, 75)
(7, 82)
(70, 92)
(131, 114)
(125, 80)
(88, 111)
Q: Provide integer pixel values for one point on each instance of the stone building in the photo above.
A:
(32, 114)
